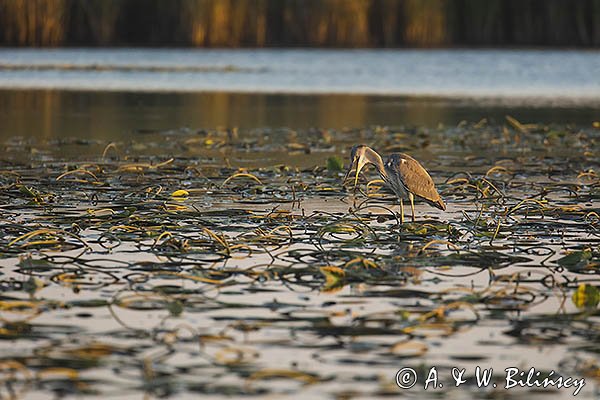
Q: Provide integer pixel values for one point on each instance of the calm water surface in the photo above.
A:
(47, 114)
(533, 75)
(109, 94)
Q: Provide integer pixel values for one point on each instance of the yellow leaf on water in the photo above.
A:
(93, 351)
(334, 278)
(304, 377)
(363, 262)
(242, 175)
(235, 355)
(180, 193)
(58, 371)
(586, 296)
(516, 124)
(409, 349)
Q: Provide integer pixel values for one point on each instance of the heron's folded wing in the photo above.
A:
(416, 178)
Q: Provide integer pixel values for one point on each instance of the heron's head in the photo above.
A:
(360, 155)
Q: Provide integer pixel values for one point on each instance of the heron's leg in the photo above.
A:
(412, 205)
(401, 211)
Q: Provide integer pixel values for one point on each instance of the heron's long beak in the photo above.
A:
(358, 168)
(357, 164)
(349, 170)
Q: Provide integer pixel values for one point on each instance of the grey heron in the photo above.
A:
(404, 175)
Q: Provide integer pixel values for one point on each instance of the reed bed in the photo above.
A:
(327, 23)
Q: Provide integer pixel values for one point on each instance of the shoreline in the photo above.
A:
(455, 100)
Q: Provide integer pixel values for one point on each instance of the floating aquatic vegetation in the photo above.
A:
(191, 269)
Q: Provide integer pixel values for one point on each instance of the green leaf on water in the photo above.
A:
(335, 164)
(30, 264)
(421, 232)
(471, 298)
(403, 315)
(33, 284)
(575, 258)
(91, 303)
(175, 308)
(27, 191)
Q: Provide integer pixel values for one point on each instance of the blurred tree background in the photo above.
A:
(306, 23)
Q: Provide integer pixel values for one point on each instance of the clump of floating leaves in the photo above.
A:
(205, 262)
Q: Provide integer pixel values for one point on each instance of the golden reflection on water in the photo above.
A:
(114, 115)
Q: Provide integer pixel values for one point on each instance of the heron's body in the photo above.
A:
(404, 175)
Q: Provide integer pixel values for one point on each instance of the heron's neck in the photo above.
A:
(375, 159)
